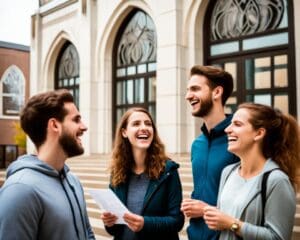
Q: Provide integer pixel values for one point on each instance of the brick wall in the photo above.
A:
(18, 55)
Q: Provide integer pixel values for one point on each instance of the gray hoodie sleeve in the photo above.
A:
(279, 212)
(20, 211)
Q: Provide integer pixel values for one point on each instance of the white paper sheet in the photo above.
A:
(108, 201)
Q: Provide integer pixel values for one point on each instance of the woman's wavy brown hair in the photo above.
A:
(282, 140)
(122, 157)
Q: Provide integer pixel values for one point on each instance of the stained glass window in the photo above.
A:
(67, 71)
(13, 91)
(235, 18)
(135, 65)
(254, 37)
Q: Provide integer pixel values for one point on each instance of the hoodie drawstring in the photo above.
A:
(77, 202)
(62, 175)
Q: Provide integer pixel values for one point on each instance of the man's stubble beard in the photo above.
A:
(70, 145)
(206, 106)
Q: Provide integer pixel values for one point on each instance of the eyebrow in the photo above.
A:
(77, 117)
(193, 87)
(237, 121)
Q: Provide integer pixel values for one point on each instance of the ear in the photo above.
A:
(260, 134)
(53, 125)
(217, 92)
(124, 134)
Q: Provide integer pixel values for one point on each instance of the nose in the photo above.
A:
(143, 126)
(228, 129)
(188, 95)
(83, 127)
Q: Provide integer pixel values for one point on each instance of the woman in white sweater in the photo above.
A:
(267, 142)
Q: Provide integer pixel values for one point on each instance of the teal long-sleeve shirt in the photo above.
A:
(209, 156)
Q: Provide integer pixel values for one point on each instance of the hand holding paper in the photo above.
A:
(135, 222)
(108, 219)
(110, 203)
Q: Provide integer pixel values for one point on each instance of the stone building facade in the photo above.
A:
(116, 54)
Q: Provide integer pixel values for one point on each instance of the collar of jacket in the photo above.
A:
(218, 130)
(155, 183)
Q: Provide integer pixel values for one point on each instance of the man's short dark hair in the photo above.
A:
(39, 109)
(216, 77)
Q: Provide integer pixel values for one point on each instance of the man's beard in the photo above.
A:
(205, 107)
(70, 145)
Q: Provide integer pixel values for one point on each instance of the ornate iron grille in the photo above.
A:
(138, 42)
(234, 18)
(69, 63)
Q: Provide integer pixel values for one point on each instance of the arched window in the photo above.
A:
(134, 69)
(67, 71)
(12, 91)
(254, 41)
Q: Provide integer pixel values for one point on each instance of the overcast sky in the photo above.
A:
(15, 16)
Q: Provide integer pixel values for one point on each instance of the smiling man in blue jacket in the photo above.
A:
(41, 199)
(207, 91)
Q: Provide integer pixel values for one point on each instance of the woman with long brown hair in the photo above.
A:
(257, 196)
(145, 180)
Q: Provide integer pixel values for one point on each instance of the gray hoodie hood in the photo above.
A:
(32, 162)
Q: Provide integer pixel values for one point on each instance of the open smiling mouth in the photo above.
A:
(194, 102)
(232, 139)
(143, 136)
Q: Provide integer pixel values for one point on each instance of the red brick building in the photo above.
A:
(14, 89)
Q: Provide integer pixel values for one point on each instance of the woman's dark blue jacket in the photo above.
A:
(161, 209)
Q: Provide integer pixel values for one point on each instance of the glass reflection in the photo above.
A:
(260, 98)
(266, 41)
(152, 88)
(232, 68)
(280, 72)
(222, 48)
(281, 101)
(139, 90)
(129, 91)
(257, 73)
(231, 105)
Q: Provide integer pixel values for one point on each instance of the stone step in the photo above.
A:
(101, 176)
(97, 170)
(296, 233)
(297, 219)
(298, 207)
(2, 176)
(187, 186)
(98, 228)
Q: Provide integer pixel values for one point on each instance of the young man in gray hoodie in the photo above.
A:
(40, 198)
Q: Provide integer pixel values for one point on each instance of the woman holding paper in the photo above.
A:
(145, 180)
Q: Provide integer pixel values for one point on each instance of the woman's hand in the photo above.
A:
(217, 220)
(135, 222)
(108, 219)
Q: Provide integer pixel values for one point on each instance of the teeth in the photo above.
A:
(142, 136)
(194, 102)
(232, 138)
